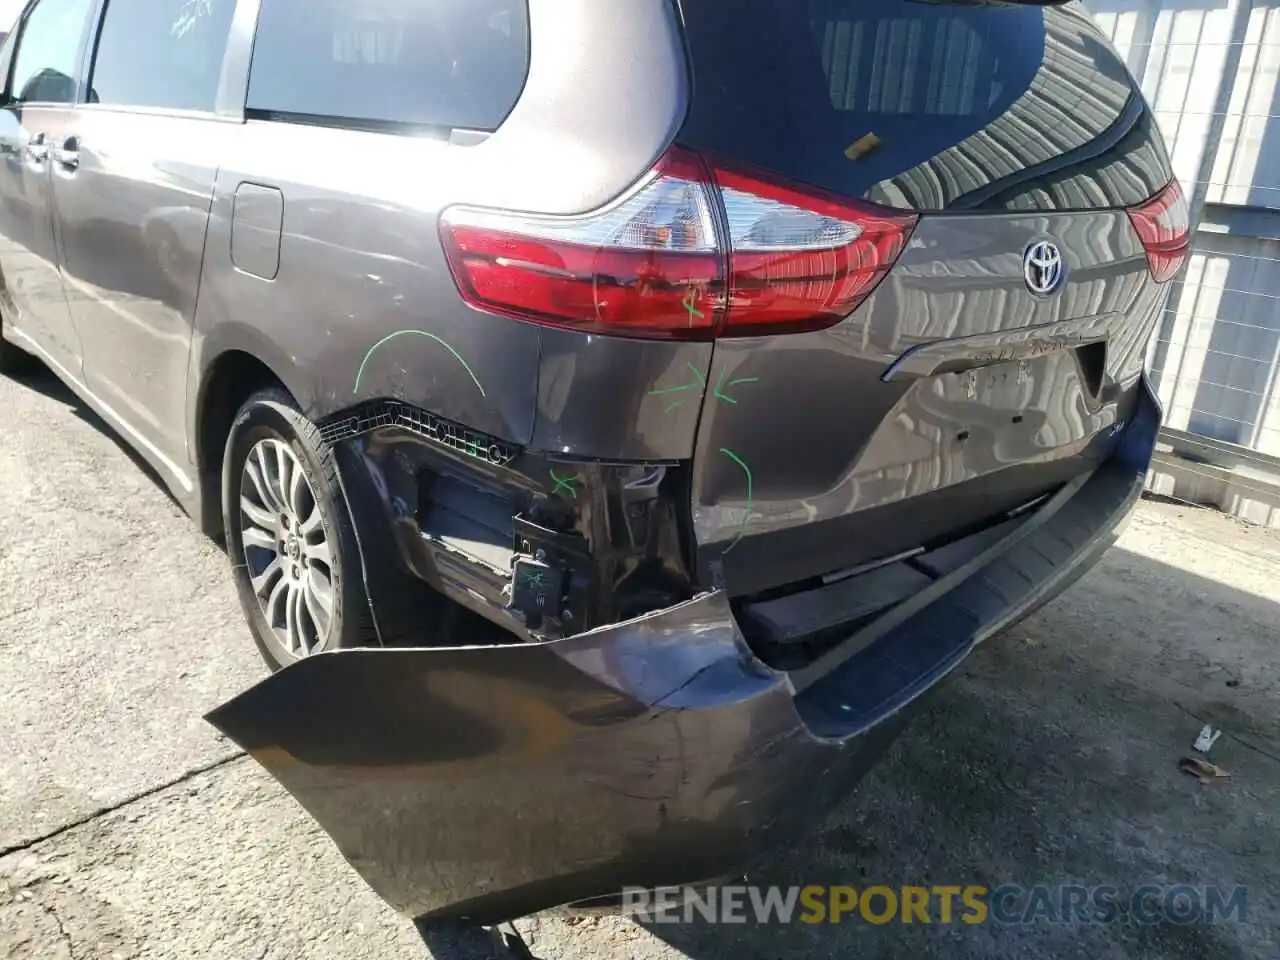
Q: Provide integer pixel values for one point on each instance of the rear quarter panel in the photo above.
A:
(364, 306)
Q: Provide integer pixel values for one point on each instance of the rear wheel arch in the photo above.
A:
(232, 377)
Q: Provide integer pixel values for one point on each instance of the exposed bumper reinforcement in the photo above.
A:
(488, 783)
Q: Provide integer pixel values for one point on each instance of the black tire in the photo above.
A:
(272, 415)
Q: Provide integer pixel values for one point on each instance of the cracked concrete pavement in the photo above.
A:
(130, 829)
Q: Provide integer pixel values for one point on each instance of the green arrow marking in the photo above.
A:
(721, 386)
(699, 382)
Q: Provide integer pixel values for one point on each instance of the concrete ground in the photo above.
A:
(128, 828)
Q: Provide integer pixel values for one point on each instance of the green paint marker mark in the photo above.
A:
(690, 306)
(416, 333)
(565, 483)
(742, 530)
(699, 383)
(722, 386)
(537, 579)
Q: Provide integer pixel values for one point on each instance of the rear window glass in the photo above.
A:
(437, 63)
(924, 104)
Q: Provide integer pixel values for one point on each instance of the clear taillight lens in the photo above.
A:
(1163, 224)
(656, 263)
(649, 265)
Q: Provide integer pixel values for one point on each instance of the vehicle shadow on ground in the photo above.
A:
(1050, 758)
(37, 377)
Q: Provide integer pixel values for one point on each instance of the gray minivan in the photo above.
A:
(617, 412)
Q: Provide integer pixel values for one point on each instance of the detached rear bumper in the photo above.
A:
(488, 783)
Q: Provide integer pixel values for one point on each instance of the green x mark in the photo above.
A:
(565, 483)
(538, 579)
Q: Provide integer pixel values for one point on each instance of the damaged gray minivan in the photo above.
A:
(618, 412)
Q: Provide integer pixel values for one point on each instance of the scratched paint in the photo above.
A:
(416, 333)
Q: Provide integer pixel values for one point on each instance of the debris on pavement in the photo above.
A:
(1203, 770)
(1207, 738)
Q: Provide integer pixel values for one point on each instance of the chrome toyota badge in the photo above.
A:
(1042, 268)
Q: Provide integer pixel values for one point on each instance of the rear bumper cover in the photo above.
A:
(488, 783)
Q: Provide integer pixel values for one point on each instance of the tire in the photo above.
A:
(299, 535)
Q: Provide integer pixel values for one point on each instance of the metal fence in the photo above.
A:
(1210, 70)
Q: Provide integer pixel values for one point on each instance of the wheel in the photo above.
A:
(293, 552)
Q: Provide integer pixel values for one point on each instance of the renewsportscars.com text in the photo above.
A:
(940, 904)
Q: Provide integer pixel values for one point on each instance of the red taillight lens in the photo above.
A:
(800, 259)
(653, 264)
(649, 265)
(1163, 224)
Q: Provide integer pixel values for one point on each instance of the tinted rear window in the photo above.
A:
(437, 63)
(924, 104)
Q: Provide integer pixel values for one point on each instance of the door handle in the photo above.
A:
(67, 156)
(37, 149)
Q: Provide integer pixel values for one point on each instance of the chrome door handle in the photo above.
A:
(67, 159)
(37, 149)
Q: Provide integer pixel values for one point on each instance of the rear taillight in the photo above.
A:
(648, 265)
(799, 258)
(657, 263)
(1163, 224)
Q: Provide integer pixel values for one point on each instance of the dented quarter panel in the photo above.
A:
(620, 399)
(364, 305)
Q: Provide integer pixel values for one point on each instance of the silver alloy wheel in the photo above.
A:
(285, 549)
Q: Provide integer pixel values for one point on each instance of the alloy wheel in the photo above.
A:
(287, 554)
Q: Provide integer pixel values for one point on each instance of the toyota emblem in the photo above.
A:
(1042, 268)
